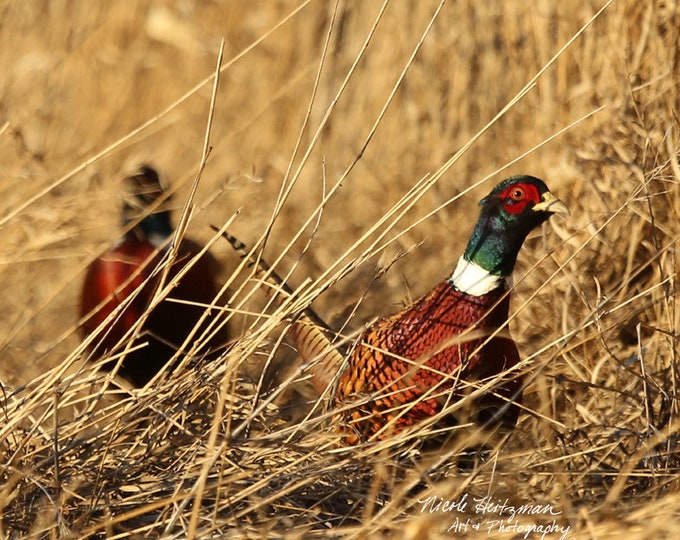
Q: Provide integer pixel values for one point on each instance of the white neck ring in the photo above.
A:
(472, 279)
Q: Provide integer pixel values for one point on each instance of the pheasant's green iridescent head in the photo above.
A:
(509, 213)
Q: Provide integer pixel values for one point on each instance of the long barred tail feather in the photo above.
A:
(317, 344)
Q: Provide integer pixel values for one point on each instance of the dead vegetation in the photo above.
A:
(352, 140)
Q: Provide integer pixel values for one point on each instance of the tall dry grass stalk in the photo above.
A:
(349, 144)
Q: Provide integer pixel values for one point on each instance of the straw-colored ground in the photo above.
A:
(89, 91)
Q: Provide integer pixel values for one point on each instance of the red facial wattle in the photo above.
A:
(516, 197)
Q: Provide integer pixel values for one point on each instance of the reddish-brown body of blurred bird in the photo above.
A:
(128, 273)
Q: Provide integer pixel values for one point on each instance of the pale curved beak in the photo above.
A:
(550, 203)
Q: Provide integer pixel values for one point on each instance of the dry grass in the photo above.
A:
(340, 170)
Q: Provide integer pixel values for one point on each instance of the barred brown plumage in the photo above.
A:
(323, 357)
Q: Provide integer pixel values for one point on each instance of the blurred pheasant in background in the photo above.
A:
(410, 366)
(128, 272)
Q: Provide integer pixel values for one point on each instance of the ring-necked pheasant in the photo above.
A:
(410, 366)
(128, 273)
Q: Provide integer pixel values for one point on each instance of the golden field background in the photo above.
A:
(90, 91)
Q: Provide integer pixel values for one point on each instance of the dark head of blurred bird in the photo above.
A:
(127, 276)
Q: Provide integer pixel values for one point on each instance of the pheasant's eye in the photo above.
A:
(517, 194)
